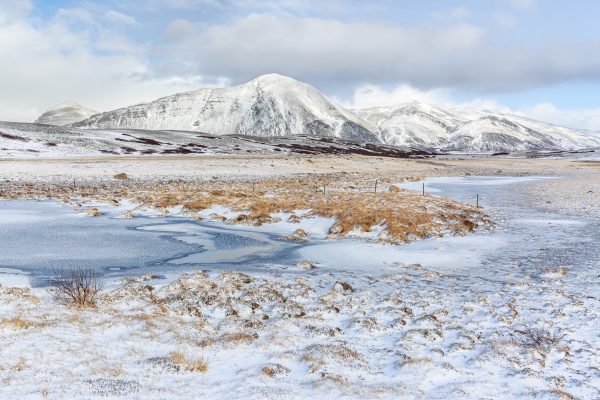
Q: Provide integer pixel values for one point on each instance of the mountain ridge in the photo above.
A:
(277, 105)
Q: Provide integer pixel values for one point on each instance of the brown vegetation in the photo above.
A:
(350, 200)
(79, 287)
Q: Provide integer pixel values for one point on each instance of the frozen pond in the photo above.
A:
(36, 237)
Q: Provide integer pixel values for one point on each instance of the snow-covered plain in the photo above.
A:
(442, 318)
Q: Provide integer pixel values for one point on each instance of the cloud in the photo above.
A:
(366, 96)
(504, 19)
(522, 4)
(460, 12)
(13, 10)
(178, 29)
(325, 51)
(584, 118)
(335, 54)
(120, 18)
(72, 56)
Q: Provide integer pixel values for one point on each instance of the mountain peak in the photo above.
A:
(275, 80)
(65, 113)
(67, 103)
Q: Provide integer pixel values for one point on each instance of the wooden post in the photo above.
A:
(423, 188)
(477, 200)
(324, 186)
(375, 185)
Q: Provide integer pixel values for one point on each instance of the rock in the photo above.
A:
(121, 176)
(272, 370)
(343, 286)
(94, 212)
(394, 189)
(306, 265)
(218, 217)
(297, 236)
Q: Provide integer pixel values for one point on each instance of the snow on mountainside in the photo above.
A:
(413, 124)
(425, 126)
(274, 105)
(271, 105)
(65, 113)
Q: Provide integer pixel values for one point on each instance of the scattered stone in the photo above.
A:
(218, 217)
(297, 236)
(306, 265)
(121, 176)
(94, 212)
(273, 370)
(343, 287)
(112, 387)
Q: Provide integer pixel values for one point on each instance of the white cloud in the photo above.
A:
(461, 12)
(120, 18)
(335, 54)
(74, 57)
(522, 4)
(325, 51)
(584, 118)
(504, 19)
(366, 96)
(13, 10)
(178, 29)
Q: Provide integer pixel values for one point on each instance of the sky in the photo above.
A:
(538, 58)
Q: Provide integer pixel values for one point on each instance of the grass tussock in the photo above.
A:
(191, 364)
(17, 323)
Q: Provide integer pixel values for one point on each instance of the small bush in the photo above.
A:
(79, 287)
(538, 338)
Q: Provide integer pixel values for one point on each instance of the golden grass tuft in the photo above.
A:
(191, 364)
(17, 323)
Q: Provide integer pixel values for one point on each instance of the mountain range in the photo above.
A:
(276, 105)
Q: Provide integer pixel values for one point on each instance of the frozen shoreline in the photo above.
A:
(441, 328)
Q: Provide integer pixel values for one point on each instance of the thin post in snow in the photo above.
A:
(423, 188)
(375, 185)
(477, 200)
(324, 186)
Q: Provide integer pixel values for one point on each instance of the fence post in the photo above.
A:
(423, 188)
(375, 185)
(477, 200)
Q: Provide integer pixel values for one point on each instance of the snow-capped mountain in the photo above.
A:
(270, 105)
(429, 127)
(65, 113)
(412, 124)
(275, 105)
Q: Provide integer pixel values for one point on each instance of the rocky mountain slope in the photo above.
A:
(65, 113)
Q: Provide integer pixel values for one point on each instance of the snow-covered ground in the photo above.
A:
(505, 314)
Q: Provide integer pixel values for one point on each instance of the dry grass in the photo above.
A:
(191, 364)
(349, 199)
(17, 323)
